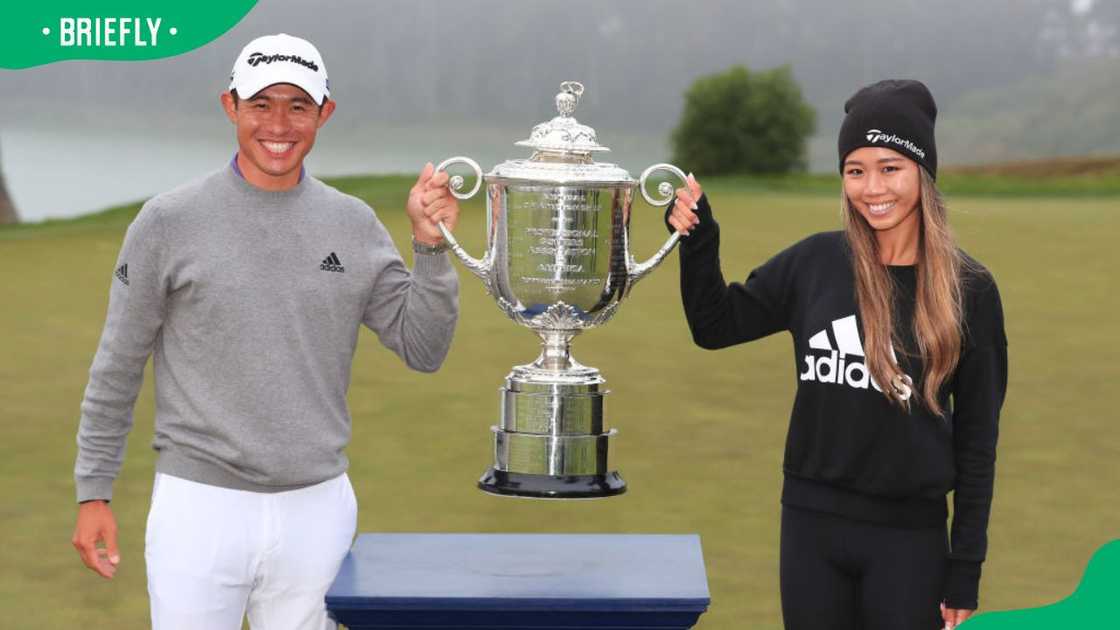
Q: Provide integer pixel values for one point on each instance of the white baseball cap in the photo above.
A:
(276, 59)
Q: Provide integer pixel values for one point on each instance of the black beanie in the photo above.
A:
(895, 114)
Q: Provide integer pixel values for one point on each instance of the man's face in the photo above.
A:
(276, 129)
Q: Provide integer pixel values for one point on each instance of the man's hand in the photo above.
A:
(682, 217)
(96, 524)
(429, 202)
(953, 617)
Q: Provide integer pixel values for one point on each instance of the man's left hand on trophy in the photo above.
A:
(429, 202)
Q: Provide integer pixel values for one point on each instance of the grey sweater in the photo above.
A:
(251, 302)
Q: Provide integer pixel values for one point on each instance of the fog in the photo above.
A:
(420, 80)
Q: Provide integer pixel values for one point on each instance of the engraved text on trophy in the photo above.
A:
(559, 244)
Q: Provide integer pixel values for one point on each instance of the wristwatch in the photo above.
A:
(422, 248)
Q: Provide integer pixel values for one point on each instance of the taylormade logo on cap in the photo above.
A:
(876, 135)
(281, 58)
(257, 58)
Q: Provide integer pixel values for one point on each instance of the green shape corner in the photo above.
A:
(33, 33)
(1095, 605)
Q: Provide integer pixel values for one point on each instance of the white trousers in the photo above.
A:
(214, 554)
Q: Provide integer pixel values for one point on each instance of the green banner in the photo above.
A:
(36, 33)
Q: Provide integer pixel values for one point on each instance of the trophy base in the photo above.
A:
(514, 484)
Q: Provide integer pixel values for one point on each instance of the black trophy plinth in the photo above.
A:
(552, 486)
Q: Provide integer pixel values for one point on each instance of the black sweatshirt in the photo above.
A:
(849, 450)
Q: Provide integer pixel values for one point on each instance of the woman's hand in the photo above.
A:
(683, 218)
(953, 617)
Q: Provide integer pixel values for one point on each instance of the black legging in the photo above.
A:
(837, 573)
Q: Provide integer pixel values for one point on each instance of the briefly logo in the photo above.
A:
(255, 59)
(109, 32)
(877, 135)
(839, 366)
(332, 263)
(122, 273)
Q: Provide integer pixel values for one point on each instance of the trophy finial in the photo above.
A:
(563, 134)
(568, 98)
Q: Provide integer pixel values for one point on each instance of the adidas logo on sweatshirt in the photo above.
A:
(122, 273)
(332, 263)
(839, 357)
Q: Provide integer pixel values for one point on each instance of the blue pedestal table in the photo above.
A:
(520, 581)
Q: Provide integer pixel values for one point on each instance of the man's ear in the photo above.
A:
(325, 112)
(229, 106)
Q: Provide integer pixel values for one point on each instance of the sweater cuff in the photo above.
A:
(431, 265)
(703, 230)
(93, 488)
(962, 584)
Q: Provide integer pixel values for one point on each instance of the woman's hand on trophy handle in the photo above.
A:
(683, 216)
(665, 190)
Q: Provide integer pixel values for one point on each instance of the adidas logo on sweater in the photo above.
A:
(842, 364)
(122, 273)
(332, 263)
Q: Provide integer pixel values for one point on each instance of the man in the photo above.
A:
(249, 286)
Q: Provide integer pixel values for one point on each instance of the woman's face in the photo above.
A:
(883, 186)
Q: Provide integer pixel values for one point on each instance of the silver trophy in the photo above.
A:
(557, 261)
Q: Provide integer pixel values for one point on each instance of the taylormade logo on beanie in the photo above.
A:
(895, 114)
(875, 136)
(276, 59)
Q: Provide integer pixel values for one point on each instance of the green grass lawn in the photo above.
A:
(700, 433)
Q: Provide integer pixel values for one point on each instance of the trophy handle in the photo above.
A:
(479, 267)
(639, 271)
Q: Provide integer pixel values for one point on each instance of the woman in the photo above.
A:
(902, 367)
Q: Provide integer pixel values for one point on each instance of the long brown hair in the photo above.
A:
(938, 312)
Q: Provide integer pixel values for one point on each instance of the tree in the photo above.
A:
(7, 208)
(740, 121)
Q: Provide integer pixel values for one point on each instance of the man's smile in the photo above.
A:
(277, 149)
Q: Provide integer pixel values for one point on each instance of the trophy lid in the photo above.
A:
(564, 134)
(562, 149)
